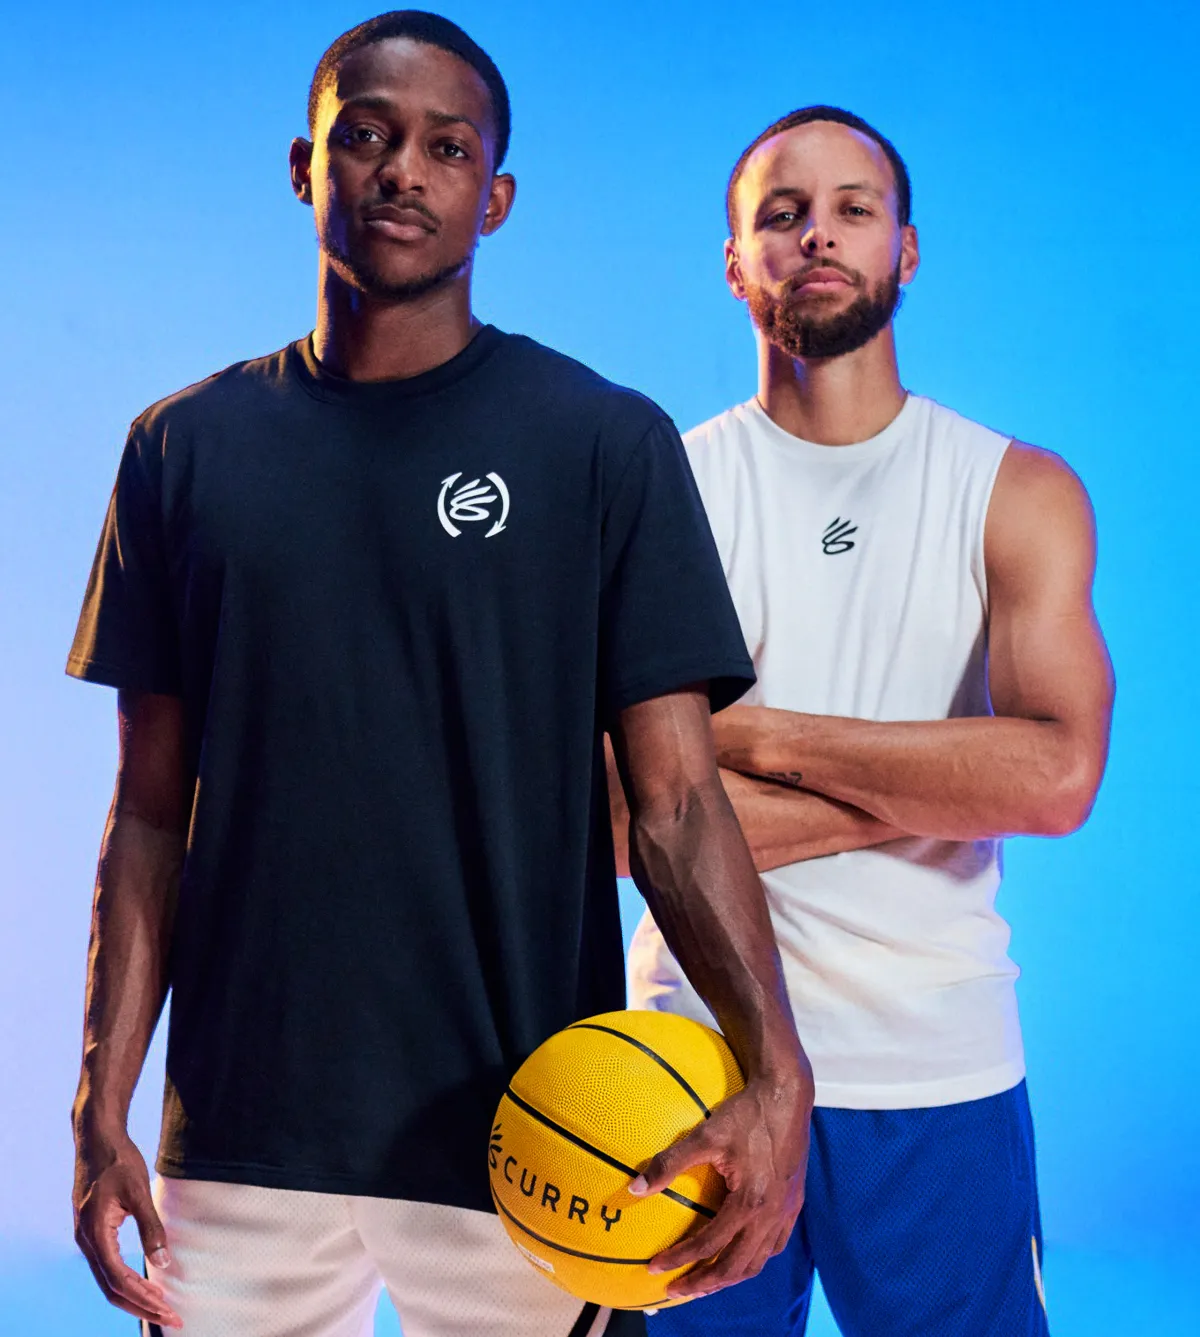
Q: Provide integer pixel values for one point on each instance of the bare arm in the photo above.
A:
(690, 861)
(132, 918)
(1034, 768)
(785, 825)
(782, 824)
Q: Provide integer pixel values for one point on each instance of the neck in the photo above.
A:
(833, 401)
(365, 338)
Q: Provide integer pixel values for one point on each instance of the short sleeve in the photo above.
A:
(127, 635)
(666, 616)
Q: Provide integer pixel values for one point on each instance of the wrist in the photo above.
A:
(779, 1064)
(98, 1122)
(786, 749)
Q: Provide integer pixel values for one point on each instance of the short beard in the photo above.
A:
(801, 334)
(370, 282)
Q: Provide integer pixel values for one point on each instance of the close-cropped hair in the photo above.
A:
(839, 116)
(419, 26)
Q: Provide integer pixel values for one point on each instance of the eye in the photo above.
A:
(781, 218)
(452, 150)
(360, 135)
(858, 211)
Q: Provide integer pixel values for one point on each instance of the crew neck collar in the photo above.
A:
(879, 444)
(323, 384)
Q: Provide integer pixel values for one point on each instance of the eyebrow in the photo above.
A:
(453, 118)
(781, 191)
(376, 102)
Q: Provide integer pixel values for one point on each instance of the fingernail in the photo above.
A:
(160, 1258)
(639, 1186)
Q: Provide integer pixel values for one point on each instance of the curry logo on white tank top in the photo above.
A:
(836, 537)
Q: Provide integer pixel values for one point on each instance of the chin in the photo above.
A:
(398, 276)
(395, 277)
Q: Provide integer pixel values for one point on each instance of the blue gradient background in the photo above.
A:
(151, 238)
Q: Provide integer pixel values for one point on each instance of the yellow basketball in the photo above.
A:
(582, 1116)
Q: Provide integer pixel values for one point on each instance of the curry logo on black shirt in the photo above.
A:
(471, 502)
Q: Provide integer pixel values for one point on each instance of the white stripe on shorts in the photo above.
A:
(268, 1262)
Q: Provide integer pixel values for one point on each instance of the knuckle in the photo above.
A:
(754, 1196)
(680, 1254)
(735, 1209)
(129, 1293)
(691, 1250)
(729, 1267)
(653, 1171)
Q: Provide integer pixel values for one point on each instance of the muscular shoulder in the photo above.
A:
(1035, 485)
(1039, 513)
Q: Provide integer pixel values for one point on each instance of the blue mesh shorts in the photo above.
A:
(921, 1223)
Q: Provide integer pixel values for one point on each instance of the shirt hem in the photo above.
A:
(315, 1181)
(920, 1095)
(727, 682)
(117, 675)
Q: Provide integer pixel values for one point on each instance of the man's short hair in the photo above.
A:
(432, 30)
(805, 116)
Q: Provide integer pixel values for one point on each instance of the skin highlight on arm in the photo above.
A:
(132, 919)
(690, 861)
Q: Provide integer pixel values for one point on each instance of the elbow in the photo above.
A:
(1068, 803)
(671, 821)
(678, 808)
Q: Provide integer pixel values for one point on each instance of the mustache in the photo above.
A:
(854, 275)
(397, 203)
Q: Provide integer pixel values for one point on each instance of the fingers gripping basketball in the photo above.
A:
(585, 1114)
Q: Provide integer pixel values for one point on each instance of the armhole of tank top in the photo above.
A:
(979, 557)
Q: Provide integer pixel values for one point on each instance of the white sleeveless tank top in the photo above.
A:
(858, 576)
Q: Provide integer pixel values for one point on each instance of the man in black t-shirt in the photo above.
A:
(371, 604)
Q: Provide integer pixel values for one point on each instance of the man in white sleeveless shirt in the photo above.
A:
(915, 590)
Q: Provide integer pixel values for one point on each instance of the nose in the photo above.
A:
(402, 170)
(817, 236)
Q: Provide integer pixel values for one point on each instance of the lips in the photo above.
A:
(404, 224)
(814, 280)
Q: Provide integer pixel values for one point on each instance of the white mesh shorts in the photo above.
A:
(268, 1262)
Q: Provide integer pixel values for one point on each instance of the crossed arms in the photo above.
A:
(808, 785)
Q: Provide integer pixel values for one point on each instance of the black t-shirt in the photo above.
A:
(400, 616)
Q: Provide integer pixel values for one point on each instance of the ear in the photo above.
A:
(300, 162)
(733, 270)
(910, 253)
(499, 203)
